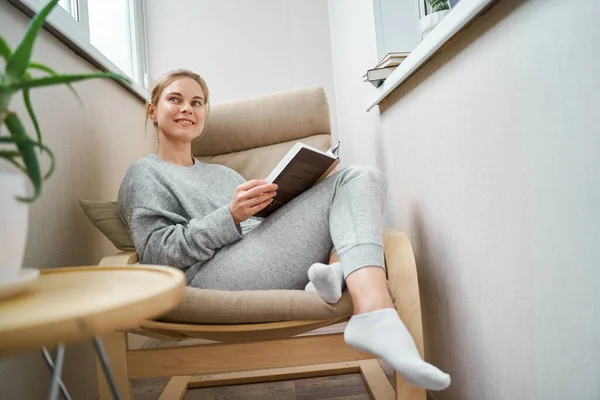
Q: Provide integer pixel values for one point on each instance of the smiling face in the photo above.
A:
(180, 110)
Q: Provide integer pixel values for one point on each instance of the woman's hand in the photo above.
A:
(249, 198)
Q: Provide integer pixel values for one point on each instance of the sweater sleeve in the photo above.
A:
(162, 232)
(165, 239)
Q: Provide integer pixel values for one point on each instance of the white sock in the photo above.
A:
(327, 281)
(383, 334)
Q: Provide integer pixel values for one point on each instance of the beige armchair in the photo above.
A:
(257, 331)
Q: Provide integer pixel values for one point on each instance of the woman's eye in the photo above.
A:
(174, 99)
(196, 103)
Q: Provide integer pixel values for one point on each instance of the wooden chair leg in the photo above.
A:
(405, 391)
(175, 389)
(115, 345)
(376, 381)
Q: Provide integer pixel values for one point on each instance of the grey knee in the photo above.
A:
(371, 173)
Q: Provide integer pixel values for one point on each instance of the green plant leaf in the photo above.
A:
(10, 155)
(43, 147)
(27, 149)
(36, 125)
(16, 65)
(42, 67)
(4, 102)
(45, 68)
(50, 154)
(55, 80)
(5, 51)
(27, 98)
(438, 5)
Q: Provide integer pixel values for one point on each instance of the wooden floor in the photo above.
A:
(347, 387)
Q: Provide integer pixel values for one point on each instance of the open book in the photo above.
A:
(302, 167)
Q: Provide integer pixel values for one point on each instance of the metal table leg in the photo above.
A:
(50, 363)
(106, 367)
(58, 365)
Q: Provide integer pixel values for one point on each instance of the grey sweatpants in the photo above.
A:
(343, 211)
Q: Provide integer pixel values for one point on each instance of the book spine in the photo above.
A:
(329, 171)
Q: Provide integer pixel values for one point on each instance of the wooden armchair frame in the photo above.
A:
(264, 352)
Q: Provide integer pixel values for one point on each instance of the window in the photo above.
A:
(111, 32)
(396, 25)
(104, 35)
(424, 8)
(70, 6)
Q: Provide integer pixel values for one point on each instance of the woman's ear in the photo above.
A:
(151, 110)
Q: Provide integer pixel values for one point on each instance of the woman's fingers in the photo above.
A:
(256, 208)
(260, 189)
(257, 186)
(251, 184)
(250, 197)
(260, 199)
(255, 192)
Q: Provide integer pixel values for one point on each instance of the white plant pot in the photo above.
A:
(14, 222)
(428, 22)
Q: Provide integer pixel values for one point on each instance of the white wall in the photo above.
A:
(94, 143)
(492, 157)
(243, 47)
(354, 50)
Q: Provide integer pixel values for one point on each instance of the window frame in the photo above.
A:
(423, 8)
(75, 34)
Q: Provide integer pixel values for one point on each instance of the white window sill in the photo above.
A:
(79, 45)
(464, 12)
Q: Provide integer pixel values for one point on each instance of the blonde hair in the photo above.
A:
(165, 80)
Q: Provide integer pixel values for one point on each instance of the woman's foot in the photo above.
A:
(327, 281)
(383, 334)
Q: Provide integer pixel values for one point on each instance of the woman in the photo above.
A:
(198, 217)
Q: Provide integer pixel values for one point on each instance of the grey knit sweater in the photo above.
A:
(178, 216)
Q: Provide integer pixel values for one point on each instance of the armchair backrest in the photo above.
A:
(251, 135)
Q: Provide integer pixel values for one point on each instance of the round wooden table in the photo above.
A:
(78, 303)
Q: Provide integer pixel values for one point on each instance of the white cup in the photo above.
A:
(14, 223)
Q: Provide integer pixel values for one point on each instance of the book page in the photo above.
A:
(302, 172)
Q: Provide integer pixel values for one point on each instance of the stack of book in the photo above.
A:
(384, 68)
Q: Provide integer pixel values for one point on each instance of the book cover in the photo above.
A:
(377, 82)
(391, 59)
(301, 168)
(379, 73)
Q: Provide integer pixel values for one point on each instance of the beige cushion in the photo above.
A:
(258, 163)
(202, 306)
(286, 116)
(105, 216)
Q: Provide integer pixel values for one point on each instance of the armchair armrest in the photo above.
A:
(403, 282)
(122, 258)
